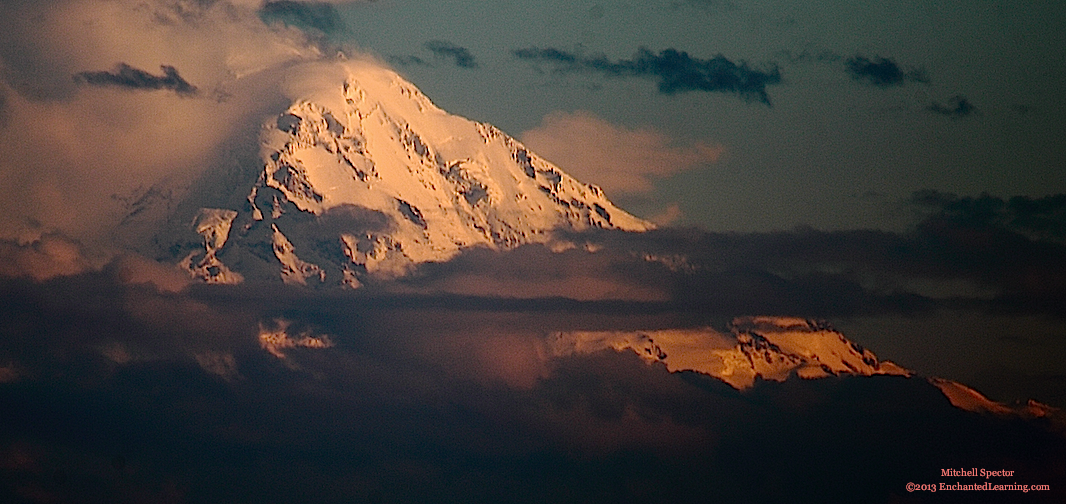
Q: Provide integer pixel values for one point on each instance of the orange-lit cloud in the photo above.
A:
(69, 147)
(671, 214)
(618, 159)
(134, 269)
(536, 271)
(43, 258)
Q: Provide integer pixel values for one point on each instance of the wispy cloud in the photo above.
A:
(69, 147)
(882, 72)
(459, 55)
(956, 108)
(314, 15)
(125, 76)
(47, 256)
(676, 71)
(618, 159)
(1036, 218)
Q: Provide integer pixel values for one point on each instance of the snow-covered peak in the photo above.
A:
(821, 348)
(364, 175)
(776, 348)
(771, 348)
(966, 398)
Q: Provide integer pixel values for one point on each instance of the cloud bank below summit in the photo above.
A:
(280, 393)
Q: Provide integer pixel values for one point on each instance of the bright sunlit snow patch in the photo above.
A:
(275, 338)
(214, 225)
(771, 348)
(358, 136)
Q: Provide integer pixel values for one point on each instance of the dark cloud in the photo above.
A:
(128, 383)
(973, 253)
(319, 16)
(126, 393)
(1012, 262)
(676, 71)
(882, 72)
(459, 55)
(125, 76)
(1042, 219)
(957, 107)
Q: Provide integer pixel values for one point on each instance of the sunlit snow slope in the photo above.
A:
(774, 348)
(363, 175)
(771, 348)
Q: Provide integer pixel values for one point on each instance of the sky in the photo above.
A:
(869, 102)
(838, 112)
(895, 170)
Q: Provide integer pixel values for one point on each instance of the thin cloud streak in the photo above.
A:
(957, 107)
(125, 76)
(676, 71)
(461, 56)
(882, 72)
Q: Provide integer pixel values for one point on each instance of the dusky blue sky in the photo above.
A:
(834, 150)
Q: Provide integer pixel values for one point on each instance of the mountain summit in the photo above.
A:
(364, 175)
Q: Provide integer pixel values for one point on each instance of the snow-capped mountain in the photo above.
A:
(771, 348)
(363, 175)
(966, 398)
(774, 348)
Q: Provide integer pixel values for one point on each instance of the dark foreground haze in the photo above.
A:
(118, 386)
